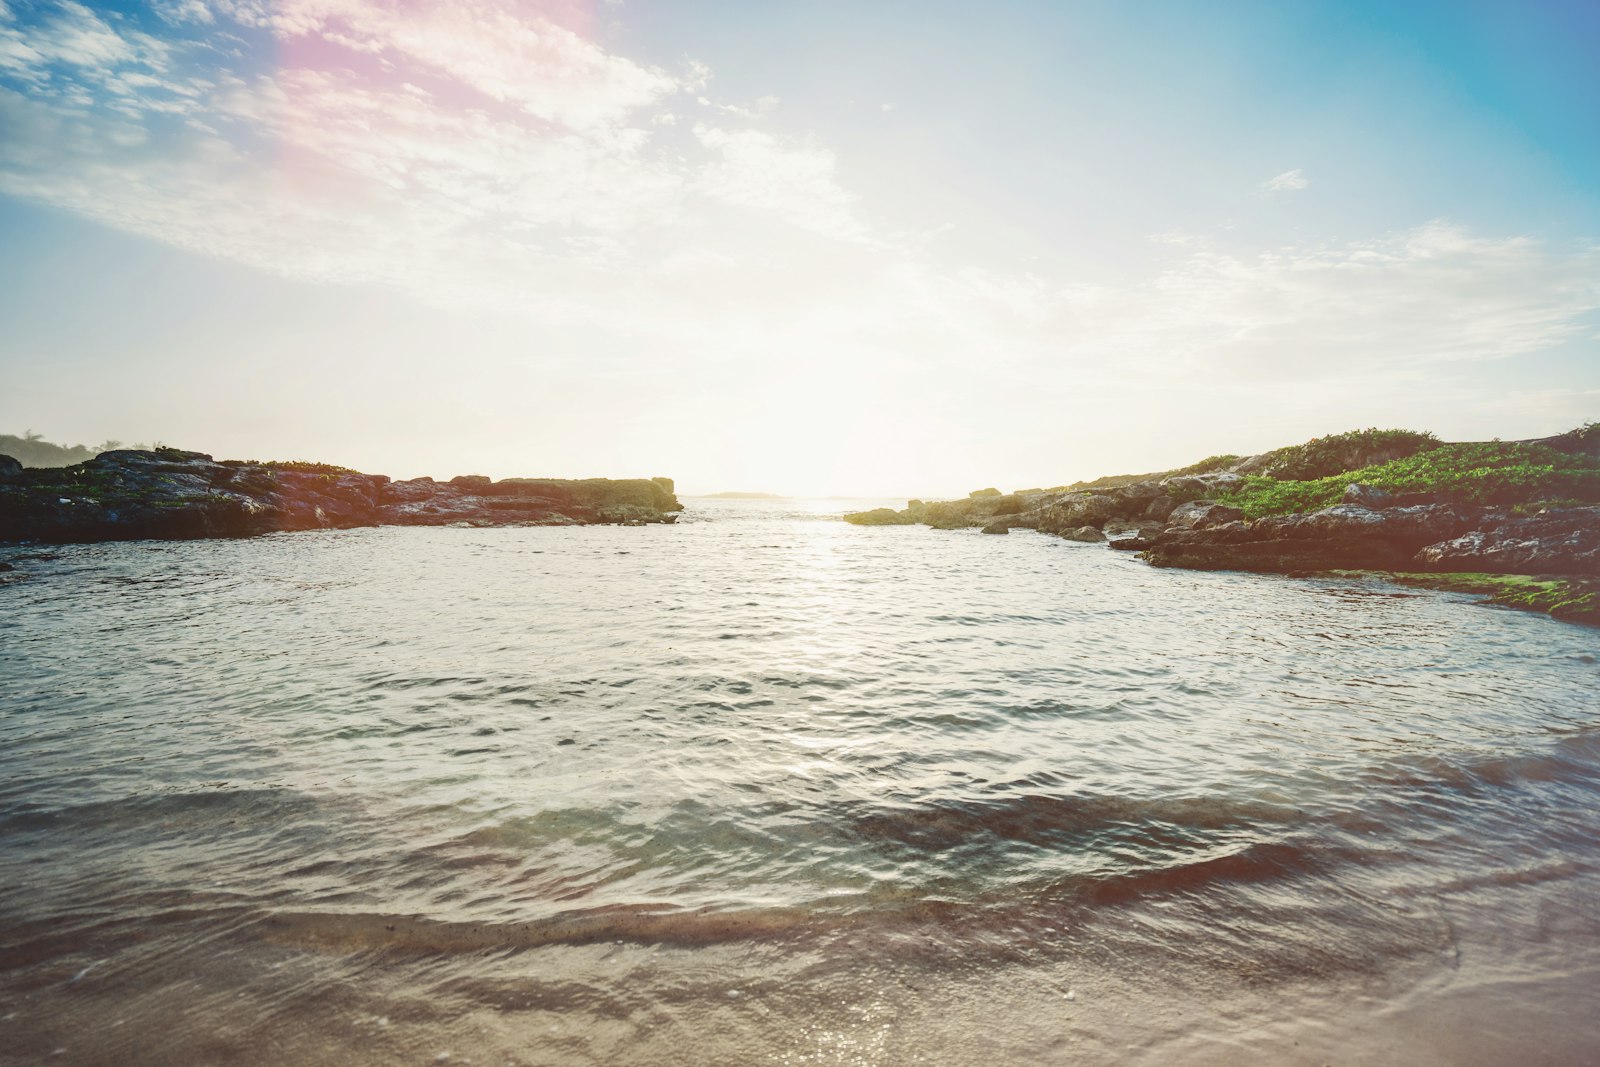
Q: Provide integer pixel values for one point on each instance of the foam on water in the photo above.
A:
(554, 795)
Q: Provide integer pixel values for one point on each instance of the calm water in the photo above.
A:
(766, 788)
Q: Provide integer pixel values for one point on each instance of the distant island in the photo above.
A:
(741, 496)
(170, 494)
(1518, 520)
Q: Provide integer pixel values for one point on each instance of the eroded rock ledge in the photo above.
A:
(132, 494)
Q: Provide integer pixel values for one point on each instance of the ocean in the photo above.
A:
(764, 787)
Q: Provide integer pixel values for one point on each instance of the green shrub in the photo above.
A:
(1324, 456)
(1486, 472)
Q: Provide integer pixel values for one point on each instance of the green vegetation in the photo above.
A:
(1487, 472)
(1321, 457)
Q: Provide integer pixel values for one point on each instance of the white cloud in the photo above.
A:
(466, 157)
(1288, 181)
(793, 181)
(1421, 298)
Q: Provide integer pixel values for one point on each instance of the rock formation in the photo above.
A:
(133, 494)
(1542, 515)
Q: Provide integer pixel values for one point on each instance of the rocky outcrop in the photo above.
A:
(882, 517)
(170, 494)
(982, 508)
(1555, 541)
(1416, 537)
(1188, 518)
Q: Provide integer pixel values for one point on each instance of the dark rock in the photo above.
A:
(1084, 533)
(951, 514)
(1160, 508)
(1191, 485)
(1584, 441)
(9, 468)
(997, 528)
(1134, 500)
(1346, 536)
(170, 494)
(1197, 514)
(1129, 544)
(1369, 496)
(1076, 510)
(1555, 541)
(1119, 530)
(472, 481)
(1278, 556)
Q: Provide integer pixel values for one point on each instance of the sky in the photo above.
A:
(898, 248)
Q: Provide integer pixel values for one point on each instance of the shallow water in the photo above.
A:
(763, 787)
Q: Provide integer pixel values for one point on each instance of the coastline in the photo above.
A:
(1518, 522)
(170, 494)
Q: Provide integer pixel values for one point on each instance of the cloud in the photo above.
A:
(480, 155)
(493, 158)
(792, 181)
(1408, 301)
(1288, 181)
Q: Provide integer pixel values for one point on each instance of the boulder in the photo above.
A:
(1083, 533)
(1160, 508)
(1075, 510)
(997, 528)
(1123, 529)
(979, 494)
(1198, 514)
(9, 468)
(1134, 500)
(951, 515)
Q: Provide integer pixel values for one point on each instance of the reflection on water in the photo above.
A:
(765, 787)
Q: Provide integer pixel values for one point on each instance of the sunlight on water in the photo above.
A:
(766, 787)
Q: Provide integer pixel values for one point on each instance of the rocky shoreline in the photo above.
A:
(1194, 521)
(168, 494)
